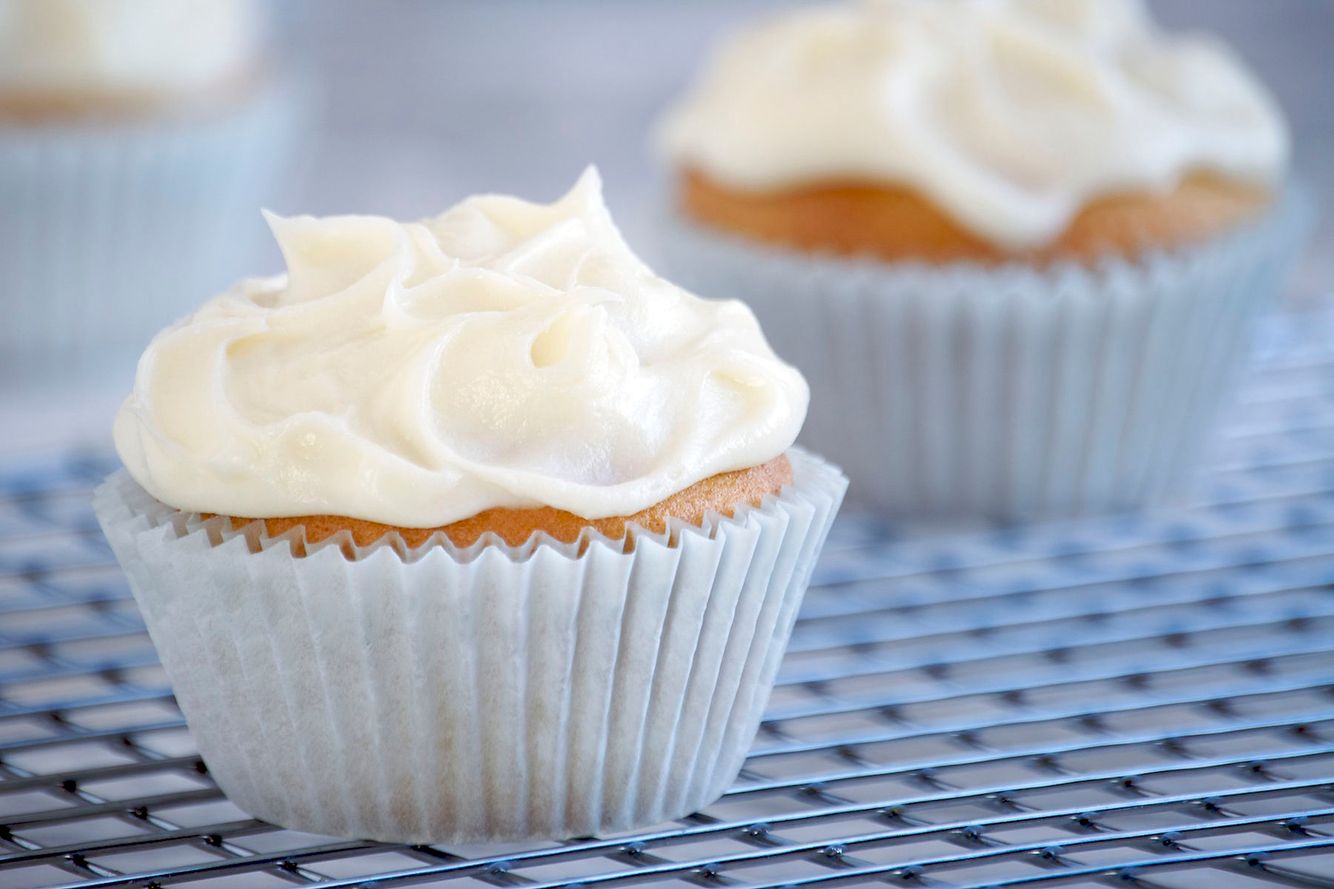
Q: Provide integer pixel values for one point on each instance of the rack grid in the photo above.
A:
(1135, 701)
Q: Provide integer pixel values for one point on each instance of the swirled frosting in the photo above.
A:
(124, 48)
(1007, 114)
(505, 353)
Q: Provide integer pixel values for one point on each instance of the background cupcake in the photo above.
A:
(1016, 247)
(532, 541)
(137, 140)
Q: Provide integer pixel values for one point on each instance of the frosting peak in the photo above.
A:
(504, 353)
(1008, 114)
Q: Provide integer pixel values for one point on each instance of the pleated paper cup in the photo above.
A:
(111, 230)
(489, 693)
(1007, 392)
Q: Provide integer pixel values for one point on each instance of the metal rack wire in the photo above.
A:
(1142, 702)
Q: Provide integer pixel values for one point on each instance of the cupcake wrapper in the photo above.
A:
(111, 231)
(490, 693)
(1008, 392)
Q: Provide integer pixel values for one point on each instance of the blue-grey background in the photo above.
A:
(414, 104)
(423, 102)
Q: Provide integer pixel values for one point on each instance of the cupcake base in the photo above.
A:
(441, 694)
(720, 493)
(895, 223)
(1008, 392)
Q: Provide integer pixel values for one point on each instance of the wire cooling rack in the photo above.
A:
(1135, 702)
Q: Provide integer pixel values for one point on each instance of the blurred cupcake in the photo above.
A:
(1016, 246)
(138, 138)
(524, 537)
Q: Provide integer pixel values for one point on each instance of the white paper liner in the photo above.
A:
(493, 693)
(1009, 392)
(112, 230)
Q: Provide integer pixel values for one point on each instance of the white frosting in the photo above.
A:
(138, 47)
(502, 354)
(1008, 114)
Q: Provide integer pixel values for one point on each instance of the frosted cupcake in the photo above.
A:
(138, 139)
(468, 529)
(1016, 246)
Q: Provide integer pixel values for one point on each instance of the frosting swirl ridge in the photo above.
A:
(505, 353)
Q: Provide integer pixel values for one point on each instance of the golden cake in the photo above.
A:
(722, 494)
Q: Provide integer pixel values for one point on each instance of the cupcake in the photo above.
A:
(467, 529)
(138, 139)
(1016, 246)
